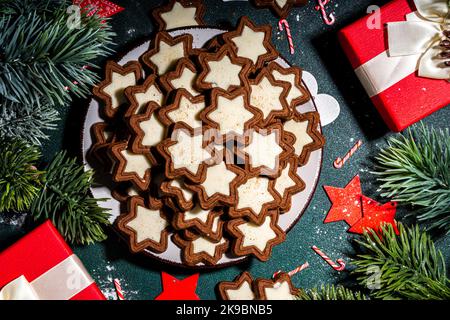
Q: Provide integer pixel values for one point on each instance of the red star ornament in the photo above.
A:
(103, 8)
(346, 202)
(374, 216)
(175, 289)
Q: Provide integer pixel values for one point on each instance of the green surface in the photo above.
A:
(317, 51)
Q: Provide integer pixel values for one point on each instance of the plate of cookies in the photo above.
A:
(206, 143)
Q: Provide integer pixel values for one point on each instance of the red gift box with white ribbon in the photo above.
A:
(395, 54)
(41, 266)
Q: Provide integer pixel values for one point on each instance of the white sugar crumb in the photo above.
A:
(297, 17)
(131, 31)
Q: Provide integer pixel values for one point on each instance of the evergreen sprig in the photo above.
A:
(21, 7)
(20, 181)
(414, 169)
(407, 266)
(41, 56)
(65, 199)
(331, 292)
(29, 122)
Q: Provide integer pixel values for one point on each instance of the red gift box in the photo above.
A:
(44, 261)
(403, 99)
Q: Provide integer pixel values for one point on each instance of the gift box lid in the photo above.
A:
(36, 253)
(408, 100)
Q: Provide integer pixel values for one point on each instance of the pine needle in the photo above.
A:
(41, 57)
(20, 181)
(26, 122)
(414, 169)
(65, 199)
(331, 292)
(407, 266)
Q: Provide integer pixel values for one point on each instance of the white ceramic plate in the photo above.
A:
(309, 173)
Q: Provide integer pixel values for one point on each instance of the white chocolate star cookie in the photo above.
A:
(230, 113)
(222, 70)
(256, 239)
(177, 14)
(166, 52)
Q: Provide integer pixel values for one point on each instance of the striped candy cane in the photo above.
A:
(283, 23)
(339, 162)
(292, 272)
(339, 266)
(119, 289)
(329, 19)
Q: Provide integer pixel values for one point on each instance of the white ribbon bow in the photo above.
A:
(420, 35)
(61, 282)
(19, 289)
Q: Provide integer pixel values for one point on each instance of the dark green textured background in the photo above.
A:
(317, 51)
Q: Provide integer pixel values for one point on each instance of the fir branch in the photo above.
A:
(26, 122)
(65, 200)
(331, 292)
(20, 181)
(414, 169)
(409, 264)
(21, 7)
(40, 56)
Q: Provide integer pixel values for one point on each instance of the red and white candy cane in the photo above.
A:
(283, 23)
(329, 19)
(339, 162)
(292, 272)
(119, 290)
(339, 266)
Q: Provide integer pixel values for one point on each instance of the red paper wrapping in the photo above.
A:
(36, 254)
(409, 100)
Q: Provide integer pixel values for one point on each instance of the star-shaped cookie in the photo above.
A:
(256, 239)
(146, 225)
(166, 51)
(183, 77)
(230, 113)
(287, 184)
(197, 218)
(239, 289)
(215, 234)
(117, 78)
(269, 96)
(141, 95)
(298, 94)
(264, 150)
(185, 154)
(102, 136)
(201, 249)
(280, 7)
(147, 129)
(252, 43)
(177, 14)
(255, 199)
(185, 109)
(178, 190)
(130, 166)
(222, 70)
(280, 288)
(302, 132)
(219, 186)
